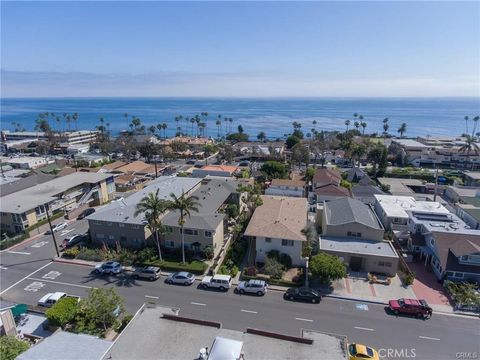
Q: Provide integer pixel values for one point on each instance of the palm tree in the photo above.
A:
(153, 207)
(475, 121)
(357, 125)
(184, 205)
(75, 119)
(219, 124)
(230, 121)
(160, 127)
(363, 124)
(385, 126)
(347, 123)
(466, 124)
(226, 126)
(402, 129)
(314, 122)
(262, 136)
(469, 146)
(205, 115)
(164, 127)
(177, 120)
(152, 129)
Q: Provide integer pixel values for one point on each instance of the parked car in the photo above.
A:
(109, 268)
(74, 240)
(85, 213)
(182, 277)
(220, 282)
(361, 352)
(147, 272)
(419, 308)
(258, 287)
(303, 294)
(57, 227)
(51, 298)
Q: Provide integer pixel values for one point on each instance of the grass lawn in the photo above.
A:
(194, 266)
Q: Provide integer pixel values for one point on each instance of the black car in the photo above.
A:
(85, 213)
(303, 294)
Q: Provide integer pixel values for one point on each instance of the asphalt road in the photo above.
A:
(441, 337)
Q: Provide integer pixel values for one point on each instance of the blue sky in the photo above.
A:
(240, 49)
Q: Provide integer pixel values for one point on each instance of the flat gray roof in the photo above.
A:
(46, 192)
(357, 246)
(67, 346)
(211, 195)
(123, 210)
(150, 336)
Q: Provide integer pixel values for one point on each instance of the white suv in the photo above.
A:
(221, 282)
(258, 287)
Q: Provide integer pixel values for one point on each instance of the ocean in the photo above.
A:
(436, 116)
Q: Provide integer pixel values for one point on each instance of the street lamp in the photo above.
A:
(51, 230)
(306, 271)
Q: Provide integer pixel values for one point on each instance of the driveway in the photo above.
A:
(426, 285)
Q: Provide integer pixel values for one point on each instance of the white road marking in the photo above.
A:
(39, 244)
(64, 283)
(26, 277)
(151, 297)
(34, 286)
(199, 304)
(429, 338)
(3, 268)
(65, 232)
(302, 319)
(362, 328)
(52, 275)
(19, 252)
(249, 311)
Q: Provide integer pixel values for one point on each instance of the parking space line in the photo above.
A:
(199, 304)
(429, 338)
(3, 268)
(362, 328)
(19, 252)
(151, 297)
(26, 277)
(63, 283)
(249, 311)
(302, 319)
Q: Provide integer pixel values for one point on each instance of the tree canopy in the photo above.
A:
(327, 267)
(11, 347)
(275, 170)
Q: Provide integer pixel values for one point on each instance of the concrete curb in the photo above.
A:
(71, 262)
(356, 299)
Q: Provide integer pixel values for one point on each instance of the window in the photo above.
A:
(109, 224)
(381, 263)
(432, 242)
(268, 240)
(287, 242)
(208, 234)
(100, 236)
(169, 243)
(354, 234)
(111, 237)
(135, 226)
(458, 275)
(190, 232)
(121, 224)
(169, 229)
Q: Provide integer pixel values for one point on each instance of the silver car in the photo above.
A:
(182, 277)
(258, 287)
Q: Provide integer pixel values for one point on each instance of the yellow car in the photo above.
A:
(361, 352)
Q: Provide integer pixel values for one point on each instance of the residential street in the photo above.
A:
(440, 337)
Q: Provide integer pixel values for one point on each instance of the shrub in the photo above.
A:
(124, 257)
(63, 312)
(208, 252)
(409, 279)
(286, 260)
(234, 271)
(223, 270)
(11, 347)
(146, 255)
(274, 254)
(273, 268)
(122, 324)
(91, 254)
(71, 253)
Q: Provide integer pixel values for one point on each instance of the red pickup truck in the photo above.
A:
(419, 308)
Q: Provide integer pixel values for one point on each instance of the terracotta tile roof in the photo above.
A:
(287, 182)
(228, 168)
(326, 176)
(138, 167)
(279, 217)
(114, 165)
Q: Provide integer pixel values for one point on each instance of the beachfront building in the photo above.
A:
(278, 224)
(286, 187)
(67, 137)
(70, 194)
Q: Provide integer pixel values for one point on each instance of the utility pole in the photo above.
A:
(306, 272)
(51, 230)
(156, 173)
(436, 183)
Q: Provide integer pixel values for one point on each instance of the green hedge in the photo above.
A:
(194, 266)
(5, 244)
